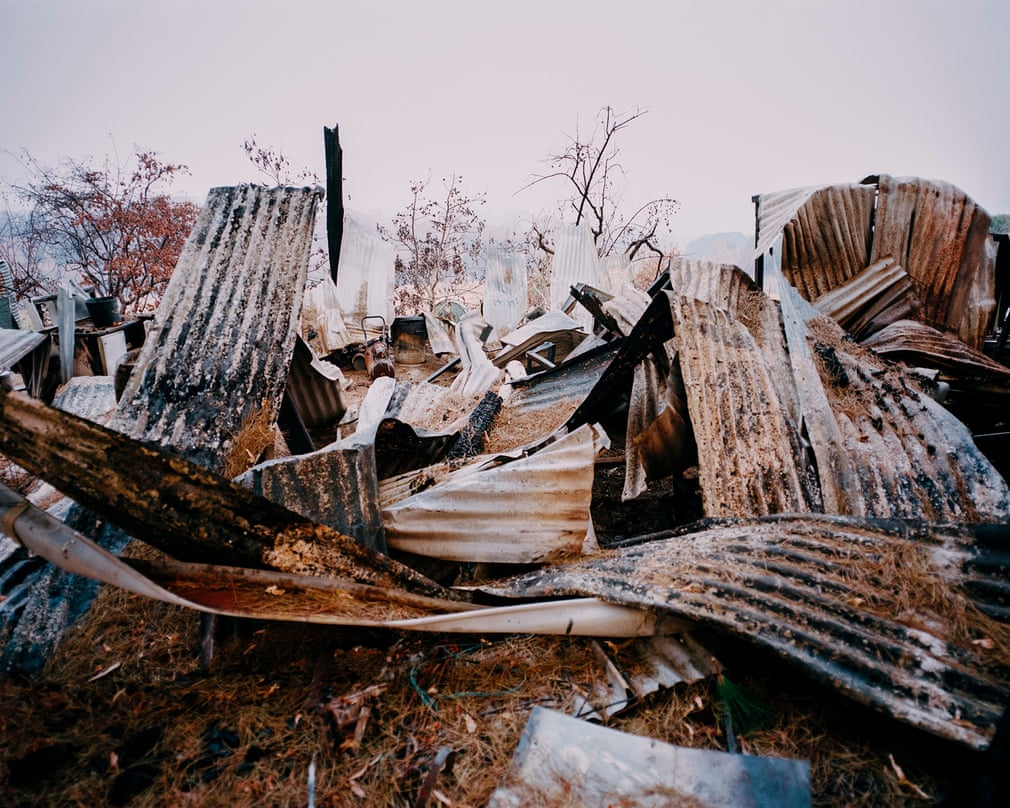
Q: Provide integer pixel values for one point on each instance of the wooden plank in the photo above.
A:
(180, 507)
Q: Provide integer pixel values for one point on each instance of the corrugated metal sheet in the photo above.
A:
(364, 276)
(7, 293)
(918, 345)
(321, 315)
(334, 486)
(16, 344)
(828, 240)
(564, 386)
(773, 211)
(939, 235)
(273, 595)
(523, 511)
(315, 387)
(626, 307)
(931, 229)
(871, 299)
(575, 260)
(841, 599)
(91, 397)
(750, 457)
(910, 457)
(554, 326)
(222, 340)
(505, 288)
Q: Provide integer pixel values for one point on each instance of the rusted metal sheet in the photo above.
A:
(825, 233)
(750, 458)
(562, 760)
(911, 457)
(931, 229)
(903, 617)
(919, 345)
(870, 300)
(333, 486)
(828, 241)
(528, 510)
(938, 234)
(219, 351)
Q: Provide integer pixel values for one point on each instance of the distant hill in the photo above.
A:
(723, 248)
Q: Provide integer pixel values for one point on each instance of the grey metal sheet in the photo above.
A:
(840, 598)
(16, 344)
(564, 386)
(221, 343)
(315, 387)
(564, 761)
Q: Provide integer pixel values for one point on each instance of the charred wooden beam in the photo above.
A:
(334, 196)
(181, 508)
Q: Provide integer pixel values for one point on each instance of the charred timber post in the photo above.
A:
(334, 195)
(180, 507)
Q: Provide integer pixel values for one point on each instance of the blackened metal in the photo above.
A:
(470, 441)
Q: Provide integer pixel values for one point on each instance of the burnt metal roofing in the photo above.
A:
(885, 612)
(221, 344)
(931, 229)
(917, 344)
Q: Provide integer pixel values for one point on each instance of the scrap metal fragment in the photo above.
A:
(564, 761)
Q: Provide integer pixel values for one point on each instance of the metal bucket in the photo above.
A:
(409, 335)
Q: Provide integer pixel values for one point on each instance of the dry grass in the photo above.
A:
(256, 434)
(245, 732)
(512, 428)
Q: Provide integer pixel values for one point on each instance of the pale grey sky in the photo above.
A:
(744, 96)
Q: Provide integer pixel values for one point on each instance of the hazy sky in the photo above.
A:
(744, 96)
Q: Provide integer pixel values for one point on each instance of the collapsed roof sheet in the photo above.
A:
(931, 229)
(219, 351)
(887, 613)
(938, 234)
(917, 344)
(529, 510)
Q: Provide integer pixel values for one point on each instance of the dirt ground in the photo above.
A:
(127, 713)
